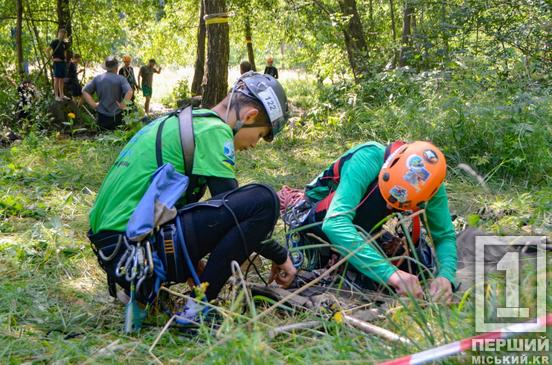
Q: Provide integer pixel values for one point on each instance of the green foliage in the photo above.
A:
(499, 126)
(179, 96)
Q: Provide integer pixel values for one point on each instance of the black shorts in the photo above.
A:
(60, 69)
(109, 122)
(73, 87)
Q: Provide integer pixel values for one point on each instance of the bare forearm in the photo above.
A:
(89, 99)
(128, 95)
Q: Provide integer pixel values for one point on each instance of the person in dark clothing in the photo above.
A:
(269, 69)
(27, 93)
(72, 81)
(231, 225)
(127, 71)
(245, 66)
(114, 95)
(57, 50)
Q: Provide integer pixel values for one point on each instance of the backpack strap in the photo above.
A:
(187, 139)
(159, 144)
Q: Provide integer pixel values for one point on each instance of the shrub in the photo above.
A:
(179, 96)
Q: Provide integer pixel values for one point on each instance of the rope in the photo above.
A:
(288, 197)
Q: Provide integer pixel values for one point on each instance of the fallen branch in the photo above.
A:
(373, 329)
(294, 327)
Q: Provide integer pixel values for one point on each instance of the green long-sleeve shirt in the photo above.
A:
(357, 173)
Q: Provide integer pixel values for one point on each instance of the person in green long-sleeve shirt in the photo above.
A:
(371, 181)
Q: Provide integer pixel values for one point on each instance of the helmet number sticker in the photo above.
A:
(272, 105)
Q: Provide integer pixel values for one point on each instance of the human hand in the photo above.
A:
(283, 274)
(440, 290)
(405, 283)
(122, 105)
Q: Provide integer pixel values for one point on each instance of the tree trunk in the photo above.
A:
(249, 42)
(18, 40)
(357, 50)
(444, 29)
(218, 53)
(393, 31)
(371, 15)
(406, 38)
(39, 47)
(200, 54)
(64, 18)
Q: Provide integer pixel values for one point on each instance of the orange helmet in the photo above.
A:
(412, 174)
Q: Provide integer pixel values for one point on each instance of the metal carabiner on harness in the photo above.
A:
(115, 251)
(124, 265)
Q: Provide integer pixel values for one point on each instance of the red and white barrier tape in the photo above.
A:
(466, 344)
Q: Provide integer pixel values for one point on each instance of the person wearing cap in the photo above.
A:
(269, 69)
(57, 51)
(245, 66)
(255, 108)
(368, 183)
(127, 71)
(145, 81)
(113, 92)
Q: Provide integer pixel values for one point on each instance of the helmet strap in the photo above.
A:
(238, 124)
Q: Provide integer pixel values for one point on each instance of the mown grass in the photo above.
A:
(54, 307)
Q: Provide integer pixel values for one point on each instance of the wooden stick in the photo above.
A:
(294, 326)
(373, 329)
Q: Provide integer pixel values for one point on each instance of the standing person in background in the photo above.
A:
(146, 81)
(245, 66)
(127, 71)
(72, 79)
(269, 69)
(113, 92)
(57, 50)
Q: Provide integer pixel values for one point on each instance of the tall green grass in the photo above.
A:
(500, 127)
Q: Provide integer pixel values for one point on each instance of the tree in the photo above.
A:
(218, 52)
(406, 38)
(357, 50)
(393, 31)
(64, 18)
(18, 40)
(199, 67)
(249, 43)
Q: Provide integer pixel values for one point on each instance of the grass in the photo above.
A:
(54, 307)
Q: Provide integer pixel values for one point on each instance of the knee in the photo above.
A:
(267, 203)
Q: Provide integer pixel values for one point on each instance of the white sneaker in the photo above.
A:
(191, 314)
(122, 296)
(65, 97)
(58, 98)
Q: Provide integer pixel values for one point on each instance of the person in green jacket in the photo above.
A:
(369, 182)
(232, 224)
